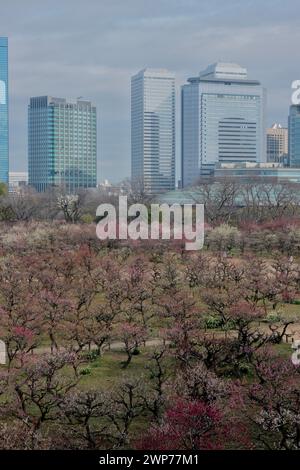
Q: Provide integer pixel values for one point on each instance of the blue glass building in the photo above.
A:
(294, 136)
(223, 120)
(4, 144)
(62, 143)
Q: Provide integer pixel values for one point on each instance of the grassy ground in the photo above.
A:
(105, 371)
(291, 311)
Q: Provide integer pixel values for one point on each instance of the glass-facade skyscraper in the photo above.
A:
(153, 130)
(62, 143)
(4, 144)
(294, 136)
(223, 120)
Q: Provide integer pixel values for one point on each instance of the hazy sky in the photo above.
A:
(70, 48)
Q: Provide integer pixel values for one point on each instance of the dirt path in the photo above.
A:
(114, 346)
(292, 333)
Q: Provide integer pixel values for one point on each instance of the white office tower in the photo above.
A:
(153, 130)
(277, 144)
(223, 120)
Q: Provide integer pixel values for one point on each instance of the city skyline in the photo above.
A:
(99, 48)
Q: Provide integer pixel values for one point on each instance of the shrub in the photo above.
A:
(87, 219)
(85, 371)
(92, 356)
(212, 323)
(273, 317)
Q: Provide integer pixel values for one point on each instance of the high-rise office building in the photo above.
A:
(294, 136)
(4, 145)
(277, 144)
(62, 143)
(153, 130)
(223, 120)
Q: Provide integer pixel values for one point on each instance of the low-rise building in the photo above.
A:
(248, 171)
(17, 181)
